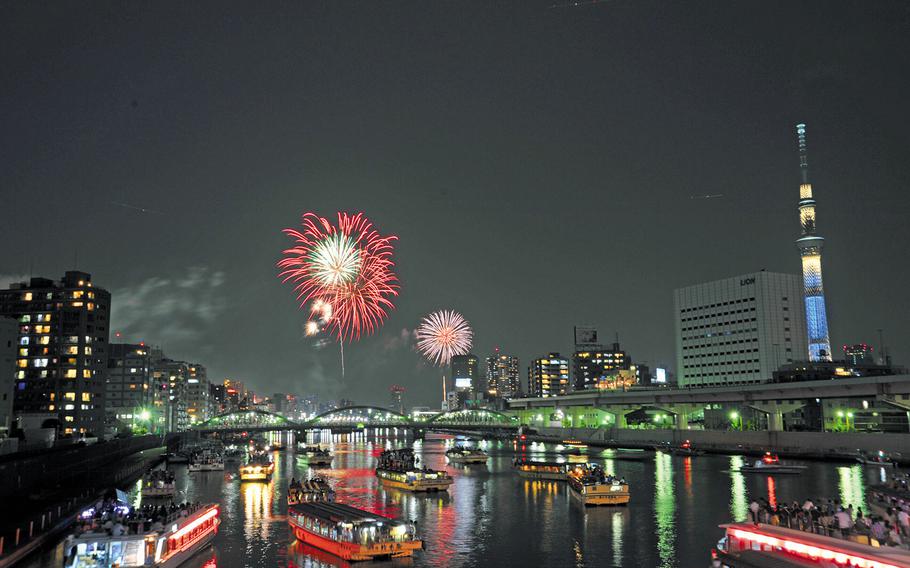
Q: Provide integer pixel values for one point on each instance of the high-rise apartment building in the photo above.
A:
(810, 251)
(130, 389)
(9, 343)
(197, 394)
(738, 330)
(61, 360)
(548, 376)
(503, 375)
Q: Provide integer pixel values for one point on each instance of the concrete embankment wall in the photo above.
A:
(22, 473)
(792, 444)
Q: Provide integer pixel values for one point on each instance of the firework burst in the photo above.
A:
(442, 335)
(345, 270)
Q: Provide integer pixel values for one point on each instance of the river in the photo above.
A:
(491, 517)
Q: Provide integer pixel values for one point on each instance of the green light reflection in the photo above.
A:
(739, 497)
(665, 508)
(851, 486)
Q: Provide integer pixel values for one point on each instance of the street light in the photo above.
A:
(734, 417)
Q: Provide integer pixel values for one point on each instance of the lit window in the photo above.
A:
(68, 419)
(78, 293)
(20, 374)
(86, 374)
(27, 297)
(72, 350)
(22, 363)
(39, 362)
(69, 406)
(71, 373)
(77, 304)
(25, 319)
(86, 397)
(44, 339)
(51, 407)
(88, 350)
(23, 340)
(23, 352)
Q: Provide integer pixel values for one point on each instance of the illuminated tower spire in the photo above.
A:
(810, 249)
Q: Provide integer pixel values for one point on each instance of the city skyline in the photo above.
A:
(471, 195)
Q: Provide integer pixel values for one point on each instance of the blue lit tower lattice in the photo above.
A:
(810, 250)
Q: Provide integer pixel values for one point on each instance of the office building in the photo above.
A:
(810, 251)
(548, 376)
(468, 384)
(130, 390)
(503, 375)
(61, 361)
(740, 329)
(9, 343)
(597, 368)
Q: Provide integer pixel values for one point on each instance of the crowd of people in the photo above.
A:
(832, 518)
(111, 517)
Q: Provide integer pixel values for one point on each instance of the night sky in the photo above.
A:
(536, 162)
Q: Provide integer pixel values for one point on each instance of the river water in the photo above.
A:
(492, 517)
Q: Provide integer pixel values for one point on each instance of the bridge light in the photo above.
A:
(734, 415)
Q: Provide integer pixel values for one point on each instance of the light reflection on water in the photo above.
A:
(665, 508)
(492, 517)
(739, 497)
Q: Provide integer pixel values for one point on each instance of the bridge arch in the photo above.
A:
(252, 419)
(356, 415)
(473, 417)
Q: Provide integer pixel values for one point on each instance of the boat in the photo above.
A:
(460, 454)
(166, 543)
(770, 463)
(540, 470)
(206, 460)
(399, 469)
(310, 490)
(351, 533)
(880, 458)
(684, 449)
(259, 467)
(316, 455)
(159, 483)
(233, 453)
(592, 486)
(627, 454)
(749, 545)
(178, 457)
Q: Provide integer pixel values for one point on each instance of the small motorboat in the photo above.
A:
(685, 449)
(770, 463)
(878, 459)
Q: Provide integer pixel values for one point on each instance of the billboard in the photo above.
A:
(585, 334)
(660, 375)
(462, 382)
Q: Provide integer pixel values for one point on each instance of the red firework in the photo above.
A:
(347, 266)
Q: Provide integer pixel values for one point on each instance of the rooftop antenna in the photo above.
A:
(881, 347)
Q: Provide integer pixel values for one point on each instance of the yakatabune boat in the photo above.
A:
(398, 468)
(350, 533)
(592, 486)
(167, 544)
(540, 470)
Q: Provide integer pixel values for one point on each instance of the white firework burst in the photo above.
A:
(442, 335)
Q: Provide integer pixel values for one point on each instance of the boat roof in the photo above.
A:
(897, 556)
(337, 513)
